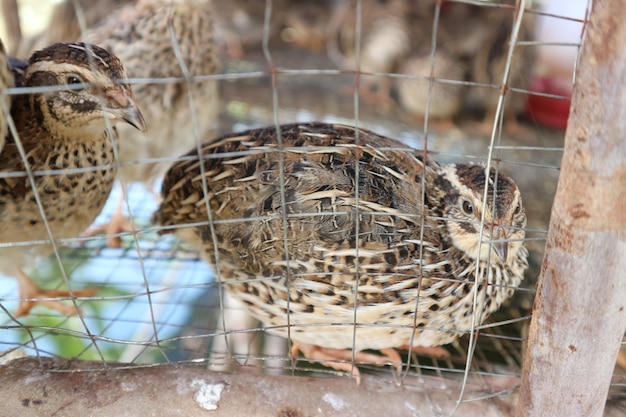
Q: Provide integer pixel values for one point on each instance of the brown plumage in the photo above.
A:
(60, 130)
(296, 263)
(239, 24)
(6, 81)
(178, 113)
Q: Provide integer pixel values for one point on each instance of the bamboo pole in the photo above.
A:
(579, 315)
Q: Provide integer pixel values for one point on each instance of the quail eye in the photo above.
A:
(518, 208)
(467, 207)
(73, 80)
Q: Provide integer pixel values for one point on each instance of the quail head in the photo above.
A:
(6, 81)
(385, 41)
(338, 238)
(159, 39)
(65, 127)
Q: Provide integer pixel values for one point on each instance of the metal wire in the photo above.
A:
(161, 305)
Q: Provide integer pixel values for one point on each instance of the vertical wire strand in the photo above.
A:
(357, 164)
(433, 47)
(521, 7)
(281, 165)
(206, 200)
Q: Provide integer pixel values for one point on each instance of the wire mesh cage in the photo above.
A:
(454, 81)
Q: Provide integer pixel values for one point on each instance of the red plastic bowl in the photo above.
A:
(548, 111)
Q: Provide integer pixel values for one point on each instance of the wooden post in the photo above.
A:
(579, 314)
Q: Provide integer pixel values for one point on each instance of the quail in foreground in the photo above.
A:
(160, 39)
(322, 225)
(60, 130)
(6, 81)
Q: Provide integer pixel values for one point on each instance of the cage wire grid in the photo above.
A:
(158, 302)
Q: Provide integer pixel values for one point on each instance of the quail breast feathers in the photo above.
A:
(60, 129)
(313, 221)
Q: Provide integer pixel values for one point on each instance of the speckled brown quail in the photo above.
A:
(178, 113)
(385, 41)
(60, 130)
(299, 260)
(6, 81)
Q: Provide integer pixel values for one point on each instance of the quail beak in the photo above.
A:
(501, 248)
(121, 106)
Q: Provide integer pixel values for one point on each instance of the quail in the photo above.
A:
(305, 24)
(159, 39)
(385, 41)
(6, 81)
(60, 130)
(315, 226)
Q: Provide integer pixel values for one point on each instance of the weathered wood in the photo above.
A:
(579, 314)
(77, 388)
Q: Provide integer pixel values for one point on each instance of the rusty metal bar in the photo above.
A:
(579, 315)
